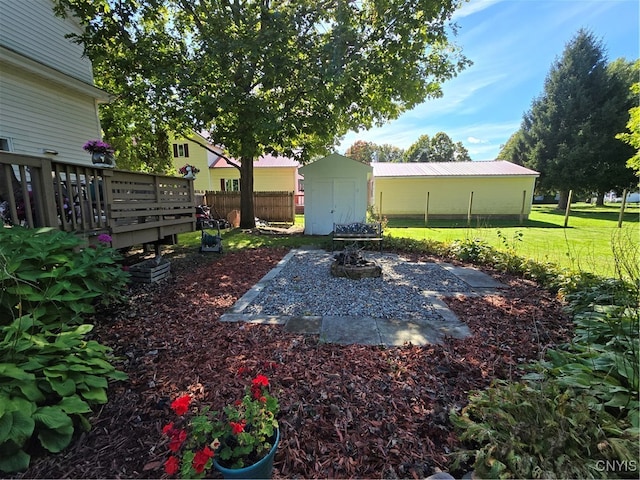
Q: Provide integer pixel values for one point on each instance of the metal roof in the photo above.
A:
(495, 168)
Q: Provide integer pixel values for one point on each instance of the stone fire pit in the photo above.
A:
(350, 263)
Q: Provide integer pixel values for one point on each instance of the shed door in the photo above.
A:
(321, 215)
(344, 201)
(333, 202)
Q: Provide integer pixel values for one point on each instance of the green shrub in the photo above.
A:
(427, 247)
(604, 356)
(48, 382)
(585, 412)
(50, 375)
(47, 274)
(471, 250)
(543, 430)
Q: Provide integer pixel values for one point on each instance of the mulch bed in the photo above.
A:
(346, 411)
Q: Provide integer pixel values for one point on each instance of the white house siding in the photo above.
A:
(30, 28)
(36, 114)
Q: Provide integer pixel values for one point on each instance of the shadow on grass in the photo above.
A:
(608, 213)
(475, 223)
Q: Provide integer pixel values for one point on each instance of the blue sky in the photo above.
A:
(512, 44)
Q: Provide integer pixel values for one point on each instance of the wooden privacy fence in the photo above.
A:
(133, 208)
(268, 206)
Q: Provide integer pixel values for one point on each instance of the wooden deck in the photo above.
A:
(133, 208)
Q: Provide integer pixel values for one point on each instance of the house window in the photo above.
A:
(181, 150)
(230, 185)
(300, 185)
(5, 144)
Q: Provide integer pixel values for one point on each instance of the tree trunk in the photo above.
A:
(247, 217)
(564, 198)
(600, 199)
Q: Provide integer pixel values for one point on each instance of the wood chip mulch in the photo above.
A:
(347, 411)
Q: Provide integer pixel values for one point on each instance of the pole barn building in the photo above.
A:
(495, 189)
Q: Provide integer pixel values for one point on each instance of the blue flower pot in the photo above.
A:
(261, 469)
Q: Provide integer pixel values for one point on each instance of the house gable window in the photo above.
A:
(181, 150)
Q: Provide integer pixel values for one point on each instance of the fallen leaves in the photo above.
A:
(346, 411)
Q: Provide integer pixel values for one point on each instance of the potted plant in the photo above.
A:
(240, 441)
(189, 171)
(101, 153)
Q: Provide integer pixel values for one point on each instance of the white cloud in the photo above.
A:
(475, 140)
(473, 6)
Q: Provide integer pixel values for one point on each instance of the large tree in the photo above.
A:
(515, 150)
(368, 152)
(439, 148)
(361, 151)
(610, 171)
(568, 128)
(273, 77)
(632, 134)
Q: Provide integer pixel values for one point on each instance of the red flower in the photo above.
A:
(263, 399)
(201, 459)
(181, 405)
(172, 465)
(256, 392)
(237, 427)
(260, 380)
(177, 439)
(167, 428)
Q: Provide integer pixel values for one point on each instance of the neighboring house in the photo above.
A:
(337, 189)
(48, 103)
(270, 174)
(450, 189)
(197, 151)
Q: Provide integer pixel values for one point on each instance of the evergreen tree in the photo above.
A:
(565, 129)
(515, 150)
(610, 171)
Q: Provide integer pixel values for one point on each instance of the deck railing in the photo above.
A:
(134, 208)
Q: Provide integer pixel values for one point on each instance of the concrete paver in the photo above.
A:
(369, 330)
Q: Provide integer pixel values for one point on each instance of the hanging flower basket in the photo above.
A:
(102, 154)
(189, 171)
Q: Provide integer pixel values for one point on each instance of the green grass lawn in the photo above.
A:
(587, 243)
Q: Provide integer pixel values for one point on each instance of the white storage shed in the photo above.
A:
(336, 190)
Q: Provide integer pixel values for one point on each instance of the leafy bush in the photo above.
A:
(472, 250)
(47, 274)
(604, 356)
(427, 247)
(543, 430)
(585, 412)
(50, 375)
(48, 382)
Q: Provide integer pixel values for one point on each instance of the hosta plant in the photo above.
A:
(48, 383)
(539, 430)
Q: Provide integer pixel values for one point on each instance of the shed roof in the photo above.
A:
(266, 160)
(497, 168)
